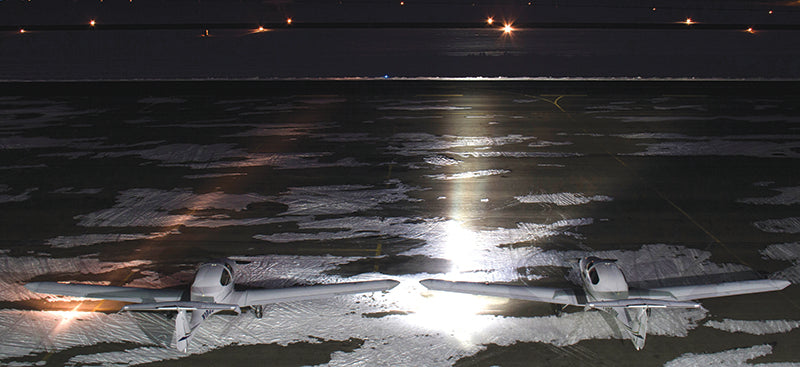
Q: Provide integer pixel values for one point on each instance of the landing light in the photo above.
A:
(489, 20)
(92, 23)
(689, 21)
(507, 29)
(22, 30)
(260, 29)
(750, 30)
(288, 21)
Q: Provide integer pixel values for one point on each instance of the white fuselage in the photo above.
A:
(213, 283)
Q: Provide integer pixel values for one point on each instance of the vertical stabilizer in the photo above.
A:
(183, 332)
(634, 323)
(638, 326)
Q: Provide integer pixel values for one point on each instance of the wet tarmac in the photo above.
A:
(308, 182)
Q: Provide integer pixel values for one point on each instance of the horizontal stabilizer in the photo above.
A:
(266, 296)
(181, 306)
(643, 303)
(124, 294)
(538, 294)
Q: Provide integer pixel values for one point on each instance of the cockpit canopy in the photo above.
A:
(604, 276)
(212, 281)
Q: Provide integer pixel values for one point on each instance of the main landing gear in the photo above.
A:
(258, 311)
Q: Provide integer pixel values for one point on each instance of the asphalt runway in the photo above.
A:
(324, 181)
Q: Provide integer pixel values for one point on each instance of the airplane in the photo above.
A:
(211, 292)
(605, 289)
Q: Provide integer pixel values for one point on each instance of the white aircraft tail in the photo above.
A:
(638, 317)
(185, 325)
(183, 331)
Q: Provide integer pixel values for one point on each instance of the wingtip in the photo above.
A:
(33, 286)
(781, 283)
(391, 283)
(434, 284)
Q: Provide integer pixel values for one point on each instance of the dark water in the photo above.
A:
(324, 181)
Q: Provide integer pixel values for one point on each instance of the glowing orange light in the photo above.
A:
(489, 20)
(689, 21)
(288, 20)
(654, 9)
(402, 3)
(507, 29)
(750, 30)
(770, 12)
(205, 33)
(22, 30)
(260, 29)
(92, 23)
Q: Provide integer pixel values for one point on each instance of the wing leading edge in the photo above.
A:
(539, 294)
(693, 292)
(124, 294)
(255, 297)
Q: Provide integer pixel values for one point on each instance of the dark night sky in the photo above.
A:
(22, 12)
(152, 51)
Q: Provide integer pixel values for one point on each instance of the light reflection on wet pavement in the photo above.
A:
(472, 181)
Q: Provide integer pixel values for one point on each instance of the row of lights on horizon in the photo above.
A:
(507, 27)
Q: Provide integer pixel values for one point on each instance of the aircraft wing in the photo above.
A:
(124, 294)
(693, 292)
(539, 294)
(253, 297)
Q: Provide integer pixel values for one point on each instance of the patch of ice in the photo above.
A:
(152, 207)
(409, 117)
(37, 114)
(785, 225)
(723, 147)
(787, 196)
(418, 107)
(661, 136)
(23, 142)
(323, 100)
(731, 357)
(427, 144)
(341, 199)
(6, 198)
(471, 174)
(215, 175)
(286, 129)
(545, 144)
(73, 191)
(181, 153)
(440, 160)
(485, 154)
(680, 107)
(93, 239)
(162, 100)
(28, 166)
(759, 327)
(786, 252)
(562, 199)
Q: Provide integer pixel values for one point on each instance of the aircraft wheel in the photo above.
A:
(259, 311)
